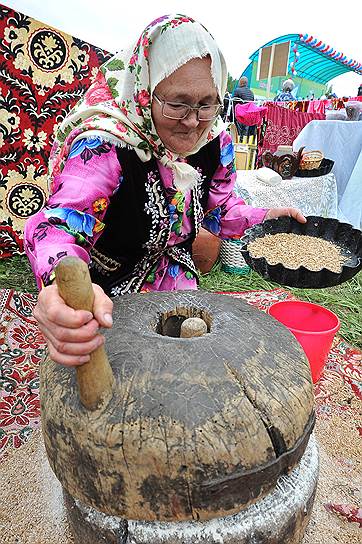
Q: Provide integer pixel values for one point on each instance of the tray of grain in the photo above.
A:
(319, 253)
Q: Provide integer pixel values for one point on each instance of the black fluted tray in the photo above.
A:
(343, 235)
(324, 169)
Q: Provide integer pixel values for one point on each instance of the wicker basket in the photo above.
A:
(324, 169)
(311, 160)
(231, 258)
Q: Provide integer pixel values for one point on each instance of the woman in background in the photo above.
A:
(286, 93)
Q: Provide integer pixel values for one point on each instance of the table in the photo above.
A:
(313, 196)
(350, 206)
(340, 141)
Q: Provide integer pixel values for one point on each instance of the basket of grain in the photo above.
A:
(311, 160)
(319, 253)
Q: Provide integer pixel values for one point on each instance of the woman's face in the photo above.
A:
(191, 84)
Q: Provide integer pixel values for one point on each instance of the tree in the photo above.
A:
(329, 90)
(231, 83)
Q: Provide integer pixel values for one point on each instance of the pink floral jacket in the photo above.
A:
(71, 221)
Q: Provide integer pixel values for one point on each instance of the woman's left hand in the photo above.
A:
(273, 213)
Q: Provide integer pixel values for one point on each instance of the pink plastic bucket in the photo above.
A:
(312, 325)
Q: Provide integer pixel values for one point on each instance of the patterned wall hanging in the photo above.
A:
(43, 73)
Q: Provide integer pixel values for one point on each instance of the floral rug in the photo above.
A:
(337, 394)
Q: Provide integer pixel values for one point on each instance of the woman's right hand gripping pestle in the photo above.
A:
(72, 335)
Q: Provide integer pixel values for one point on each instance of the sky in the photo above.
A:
(239, 26)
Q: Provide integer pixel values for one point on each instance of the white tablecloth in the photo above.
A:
(350, 206)
(340, 141)
(313, 196)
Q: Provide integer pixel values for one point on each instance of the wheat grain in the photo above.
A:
(295, 250)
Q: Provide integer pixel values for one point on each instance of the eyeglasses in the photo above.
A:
(176, 110)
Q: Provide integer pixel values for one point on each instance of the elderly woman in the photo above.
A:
(286, 93)
(137, 166)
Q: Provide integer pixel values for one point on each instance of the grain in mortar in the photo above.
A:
(296, 250)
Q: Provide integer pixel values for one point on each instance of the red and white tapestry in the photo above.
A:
(43, 73)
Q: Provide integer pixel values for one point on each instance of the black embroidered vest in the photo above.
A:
(137, 222)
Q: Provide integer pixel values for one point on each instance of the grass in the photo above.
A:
(16, 273)
(345, 300)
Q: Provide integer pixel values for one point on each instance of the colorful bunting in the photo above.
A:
(326, 50)
(294, 62)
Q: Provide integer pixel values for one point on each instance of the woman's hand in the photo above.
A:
(72, 335)
(273, 213)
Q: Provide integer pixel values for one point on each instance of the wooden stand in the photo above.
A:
(280, 518)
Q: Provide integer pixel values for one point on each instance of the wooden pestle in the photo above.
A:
(95, 378)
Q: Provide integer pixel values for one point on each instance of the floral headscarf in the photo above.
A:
(117, 106)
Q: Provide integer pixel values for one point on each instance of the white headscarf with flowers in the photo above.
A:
(117, 106)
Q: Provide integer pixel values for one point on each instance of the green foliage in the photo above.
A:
(328, 90)
(345, 300)
(16, 273)
(231, 83)
(143, 145)
(115, 64)
(112, 84)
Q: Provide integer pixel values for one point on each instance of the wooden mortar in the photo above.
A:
(196, 428)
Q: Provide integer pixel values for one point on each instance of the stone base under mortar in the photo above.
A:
(280, 518)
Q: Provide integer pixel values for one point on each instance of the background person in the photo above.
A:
(286, 93)
(243, 92)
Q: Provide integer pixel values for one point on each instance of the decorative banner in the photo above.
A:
(43, 74)
(295, 60)
(306, 39)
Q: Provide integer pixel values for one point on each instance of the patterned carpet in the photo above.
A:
(338, 393)
(44, 72)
